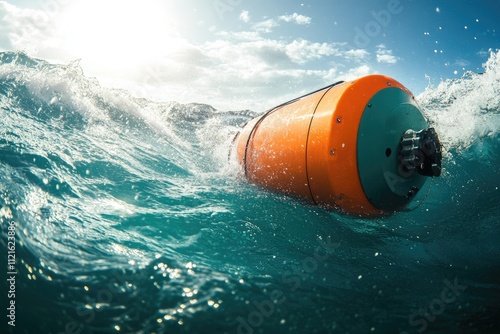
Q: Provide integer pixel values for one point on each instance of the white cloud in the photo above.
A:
(236, 70)
(355, 73)
(302, 51)
(268, 69)
(461, 62)
(357, 54)
(266, 53)
(385, 56)
(245, 16)
(266, 26)
(334, 75)
(483, 53)
(240, 35)
(296, 18)
(28, 29)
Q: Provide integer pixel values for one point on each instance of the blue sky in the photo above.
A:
(239, 54)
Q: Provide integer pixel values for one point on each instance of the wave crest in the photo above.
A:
(466, 110)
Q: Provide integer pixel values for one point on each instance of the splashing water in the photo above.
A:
(466, 110)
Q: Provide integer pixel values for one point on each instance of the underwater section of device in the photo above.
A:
(362, 147)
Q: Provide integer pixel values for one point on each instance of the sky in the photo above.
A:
(243, 54)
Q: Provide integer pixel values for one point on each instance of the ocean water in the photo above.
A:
(128, 218)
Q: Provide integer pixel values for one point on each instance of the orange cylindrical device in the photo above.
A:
(339, 147)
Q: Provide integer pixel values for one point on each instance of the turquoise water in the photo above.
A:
(129, 219)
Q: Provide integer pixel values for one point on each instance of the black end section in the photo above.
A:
(421, 151)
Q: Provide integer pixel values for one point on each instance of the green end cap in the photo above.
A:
(387, 116)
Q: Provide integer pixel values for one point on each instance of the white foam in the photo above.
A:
(465, 110)
(66, 86)
(58, 84)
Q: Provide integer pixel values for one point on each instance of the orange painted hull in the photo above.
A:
(308, 148)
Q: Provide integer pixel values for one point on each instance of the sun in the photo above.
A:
(119, 34)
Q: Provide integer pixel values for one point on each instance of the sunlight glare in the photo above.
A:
(120, 33)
